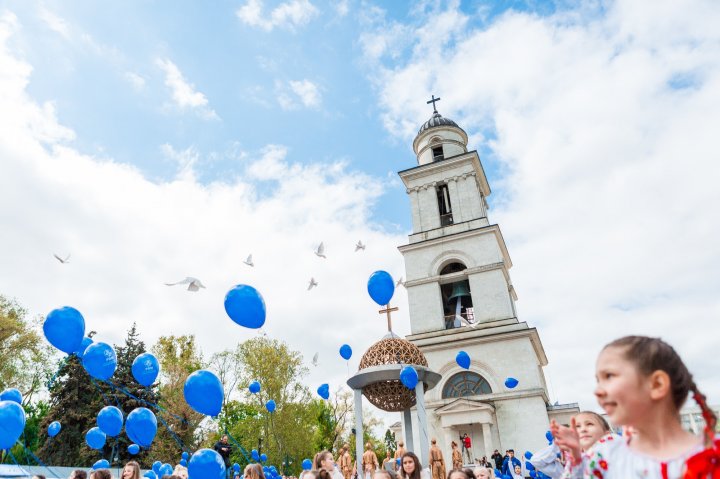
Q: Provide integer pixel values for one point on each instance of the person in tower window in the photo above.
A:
(467, 447)
(224, 449)
(510, 462)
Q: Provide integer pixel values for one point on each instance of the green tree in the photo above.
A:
(333, 418)
(389, 441)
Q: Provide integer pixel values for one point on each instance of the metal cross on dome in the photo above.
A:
(387, 311)
(433, 100)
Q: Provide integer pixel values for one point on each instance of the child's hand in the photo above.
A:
(567, 439)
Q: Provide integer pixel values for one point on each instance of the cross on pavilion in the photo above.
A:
(433, 100)
(387, 311)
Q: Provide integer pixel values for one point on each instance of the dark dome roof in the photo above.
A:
(437, 120)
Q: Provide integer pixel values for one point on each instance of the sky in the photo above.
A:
(157, 140)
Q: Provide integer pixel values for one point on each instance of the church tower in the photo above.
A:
(461, 298)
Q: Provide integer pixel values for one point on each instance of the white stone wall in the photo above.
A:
(451, 139)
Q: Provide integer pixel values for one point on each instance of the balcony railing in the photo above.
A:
(468, 315)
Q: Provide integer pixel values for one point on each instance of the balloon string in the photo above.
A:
(105, 398)
(51, 382)
(42, 464)
(147, 403)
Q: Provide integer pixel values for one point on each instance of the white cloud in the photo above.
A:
(609, 179)
(342, 8)
(54, 22)
(296, 93)
(184, 94)
(137, 81)
(128, 235)
(288, 15)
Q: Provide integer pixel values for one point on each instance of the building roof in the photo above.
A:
(437, 120)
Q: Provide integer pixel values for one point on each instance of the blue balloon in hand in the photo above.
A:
(64, 328)
(245, 306)
(101, 464)
(270, 406)
(11, 394)
(95, 438)
(133, 449)
(141, 426)
(324, 391)
(100, 361)
(381, 287)
(511, 383)
(110, 420)
(54, 428)
(549, 437)
(206, 464)
(345, 352)
(306, 464)
(145, 369)
(529, 466)
(255, 455)
(409, 377)
(463, 359)
(204, 392)
(254, 387)
(12, 419)
(263, 458)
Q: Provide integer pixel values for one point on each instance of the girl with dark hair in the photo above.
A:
(410, 467)
(324, 461)
(642, 383)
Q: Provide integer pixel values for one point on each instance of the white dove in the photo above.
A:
(62, 260)
(320, 252)
(312, 284)
(359, 246)
(464, 321)
(249, 261)
(400, 282)
(194, 284)
(315, 359)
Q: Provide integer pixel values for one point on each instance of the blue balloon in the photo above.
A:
(549, 437)
(185, 455)
(245, 306)
(183, 462)
(381, 287)
(533, 474)
(236, 467)
(204, 392)
(145, 369)
(100, 361)
(12, 423)
(110, 420)
(270, 406)
(95, 438)
(255, 455)
(83, 346)
(54, 428)
(150, 475)
(206, 464)
(306, 464)
(528, 455)
(324, 391)
(64, 328)
(156, 467)
(133, 449)
(463, 359)
(141, 426)
(254, 387)
(11, 394)
(409, 377)
(529, 466)
(511, 383)
(101, 464)
(345, 351)
(263, 458)
(166, 470)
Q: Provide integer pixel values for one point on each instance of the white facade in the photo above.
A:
(453, 245)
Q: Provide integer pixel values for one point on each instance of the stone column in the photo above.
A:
(429, 205)
(455, 201)
(415, 210)
(359, 447)
(407, 430)
(487, 439)
(422, 424)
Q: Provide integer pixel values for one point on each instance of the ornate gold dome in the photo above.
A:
(391, 395)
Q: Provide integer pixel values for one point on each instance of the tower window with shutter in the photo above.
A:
(444, 206)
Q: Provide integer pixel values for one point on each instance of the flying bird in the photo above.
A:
(320, 252)
(62, 260)
(312, 284)
(194, 284)
(315, 359)
(359, 246)
(249, 261)
(400, 282)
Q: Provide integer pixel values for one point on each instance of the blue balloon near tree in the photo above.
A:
(150, 475)
(141, 426)
(54, 428)
(255, 455)
(245, 306)
(204, 392)
(83, 346)
(254, 387)
(133, 449)
(183, 462)
(206, 464)
(236, 467)
(145, 369)
(263, 458)
(166, 470)
(110, 420)
(324, 391)
(12, 423)
(156, 467)
(409, 377)
(64, 328)
(381, 287)
(185, 455)
(95, 438)
(270, 406)
(463, 359)
(345, 351)
(100, 361)
(510, 383)
(11, 394)
(306, 464)
(101, 464)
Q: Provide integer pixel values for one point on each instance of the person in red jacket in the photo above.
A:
(467, 447)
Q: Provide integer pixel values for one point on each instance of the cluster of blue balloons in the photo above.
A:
(160, 469)
(203, 392)
(381, 287)
(12, 418)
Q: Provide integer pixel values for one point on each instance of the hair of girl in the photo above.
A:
(254, 471)
(311, 471)
(458, 471)
(416, 473)
(102, 474)
(654, 354)
(135, 468)
(323, 474)
(382, 473)
(469, 473)
(603, 422)
(319, 458)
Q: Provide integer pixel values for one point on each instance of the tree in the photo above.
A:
(390, 443)
(24, 356)
(228, 367)
(332, 417)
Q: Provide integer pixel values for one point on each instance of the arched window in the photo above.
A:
(464, 384)
(457, 298)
